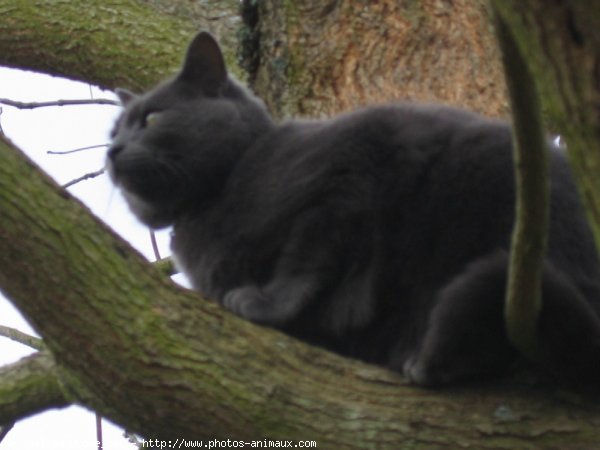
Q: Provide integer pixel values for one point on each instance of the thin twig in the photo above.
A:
(87, 176)
(22, 338)
(99, 440)
(33, 105)
(154, 246)
(75, 150)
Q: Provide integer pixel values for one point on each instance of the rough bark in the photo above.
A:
(319, 57)
(161, 361)
(29, 386)
(23, 338)
(116, 44)
(561, 42)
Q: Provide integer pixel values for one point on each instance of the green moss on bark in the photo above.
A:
(111, 44)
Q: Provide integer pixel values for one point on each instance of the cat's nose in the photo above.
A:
(113, 151)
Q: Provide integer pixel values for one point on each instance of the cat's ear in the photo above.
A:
(125, 96)
(204, 65)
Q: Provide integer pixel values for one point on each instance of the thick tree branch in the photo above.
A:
(28, 387)
(111, 48)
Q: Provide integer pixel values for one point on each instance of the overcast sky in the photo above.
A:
(59, 129)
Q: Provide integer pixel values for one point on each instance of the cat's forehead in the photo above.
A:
(162, 96)
(157, 99)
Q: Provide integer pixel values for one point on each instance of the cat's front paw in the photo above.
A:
(416, 373)
(418, 370)
(250, 303)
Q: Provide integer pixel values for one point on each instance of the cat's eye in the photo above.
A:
(151, 118)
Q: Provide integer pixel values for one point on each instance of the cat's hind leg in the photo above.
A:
(569, 331)
(465, 336)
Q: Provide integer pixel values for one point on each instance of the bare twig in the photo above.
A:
(99, 440)
(33, 105)
(87, 176)
(75, 150)
(154, 246)
(22, 338)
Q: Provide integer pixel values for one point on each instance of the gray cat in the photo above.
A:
(380, 234)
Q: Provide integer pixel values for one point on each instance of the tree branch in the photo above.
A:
(76, 150)
(22, 338)
(78, 102)
(530, 234)
(28, 387)
(35, 38)
(84, 177)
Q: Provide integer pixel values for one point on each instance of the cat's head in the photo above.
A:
(174, 147)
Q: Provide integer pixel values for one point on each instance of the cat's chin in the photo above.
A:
(148, 213)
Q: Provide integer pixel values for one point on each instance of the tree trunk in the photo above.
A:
(161, 361)
(319, 57)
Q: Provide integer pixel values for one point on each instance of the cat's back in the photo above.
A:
(392, 169)
(425, 170)
(361, 154)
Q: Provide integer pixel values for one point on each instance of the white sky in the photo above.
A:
(64, 128)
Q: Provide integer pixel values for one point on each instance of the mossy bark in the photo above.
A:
(530, 233)
(29, 386)
(561, 42)
(111, 44)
